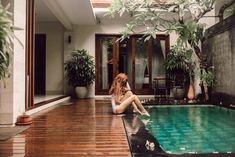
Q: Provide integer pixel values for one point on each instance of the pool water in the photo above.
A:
(193, 129)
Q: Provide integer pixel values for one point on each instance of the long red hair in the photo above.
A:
(118, 85)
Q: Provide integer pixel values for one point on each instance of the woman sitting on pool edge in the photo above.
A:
(122, 96)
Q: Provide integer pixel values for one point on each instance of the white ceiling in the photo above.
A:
(68, 12)
(75, 12)
(42, 13)
(79, 12)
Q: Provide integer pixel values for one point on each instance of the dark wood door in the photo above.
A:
(40, 64)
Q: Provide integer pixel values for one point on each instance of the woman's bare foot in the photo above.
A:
(145, 113)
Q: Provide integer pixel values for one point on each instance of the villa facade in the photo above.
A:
(50, 30)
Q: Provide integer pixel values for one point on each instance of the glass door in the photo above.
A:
(125, 64)
(106, 63)
(141, 52)
(141, 61)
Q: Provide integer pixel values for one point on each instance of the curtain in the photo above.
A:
(141, 63)
(159, 54)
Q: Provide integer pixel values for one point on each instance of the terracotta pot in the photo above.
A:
(191, 94)
(206, 93)
(24, 120)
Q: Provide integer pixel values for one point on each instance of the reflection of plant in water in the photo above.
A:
(108, 43)
(141, 50)
(141, 61)
(150, 145)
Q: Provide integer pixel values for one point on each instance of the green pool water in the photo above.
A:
(193, 129)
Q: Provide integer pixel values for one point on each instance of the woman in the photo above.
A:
(122, 96)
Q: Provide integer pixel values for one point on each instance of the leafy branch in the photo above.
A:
(150, 17)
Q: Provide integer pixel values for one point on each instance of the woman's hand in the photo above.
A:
(126, 90)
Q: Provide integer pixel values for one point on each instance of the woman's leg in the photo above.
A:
(127, 95)
(133, 98)
(140, 109)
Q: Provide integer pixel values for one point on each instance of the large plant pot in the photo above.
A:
(81, 92)
(191, 94)
(178, 92)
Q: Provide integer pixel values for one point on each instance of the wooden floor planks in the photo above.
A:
(85, 128)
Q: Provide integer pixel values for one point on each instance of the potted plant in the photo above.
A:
(80, 71)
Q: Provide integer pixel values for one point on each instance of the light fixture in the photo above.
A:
(69, 39)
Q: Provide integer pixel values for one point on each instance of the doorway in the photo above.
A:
(141, 61)
(40, 64)
(44, 53)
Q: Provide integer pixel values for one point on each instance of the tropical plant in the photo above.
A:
(207, 76)
(80, 68)
(179, 59)
(6, 40)
(179, 16)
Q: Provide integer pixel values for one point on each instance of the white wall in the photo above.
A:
(209, 19)
(19, 58)
(68, 48)
(54, 55)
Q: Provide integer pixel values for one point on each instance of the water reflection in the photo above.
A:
(140, 139)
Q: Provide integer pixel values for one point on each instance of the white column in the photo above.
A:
(19, 58)
(12, 98)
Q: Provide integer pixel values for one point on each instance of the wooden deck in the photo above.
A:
(85, 128)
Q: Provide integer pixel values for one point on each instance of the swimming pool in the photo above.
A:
(198, 129)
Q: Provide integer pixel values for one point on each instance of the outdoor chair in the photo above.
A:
(162, 87)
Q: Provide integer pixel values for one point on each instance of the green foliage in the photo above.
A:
(179, 58)
(6, 38)
(207, 76)
(150, 17)
(230, 11)
(116, 5)
(80, 68)
(190, 31)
